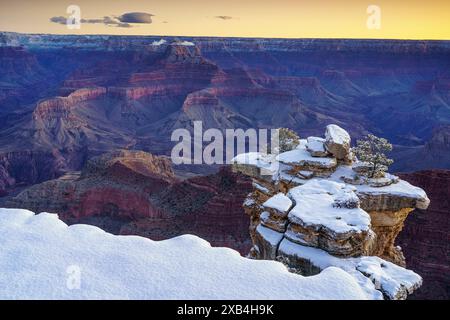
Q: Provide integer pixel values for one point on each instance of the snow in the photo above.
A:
(159, 42)
(315, 144)
(269, 165)
(269, 235)
(264, 216)
(260, 187)
(284, 176)
(266, 162)
(184, 43)
(279, 202)
(317, 210)
(301, 156)
(336, 134)
(315, 206)
(43, 258)
(320, 186)
(306, 174)
(392, 280)
(401, 188)
(249, 202)
(323, 260)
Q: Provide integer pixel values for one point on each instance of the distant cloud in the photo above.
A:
(123, 21)
(60, 20)
(224, 17)
(136, 17)
(108, 21)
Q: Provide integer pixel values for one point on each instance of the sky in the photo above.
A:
(385, 19)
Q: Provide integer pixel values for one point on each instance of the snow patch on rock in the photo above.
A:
(393, 281)
(159, 42)
(301, 156)
(316, 146)
(279, 202)
(316, 205)
(337, 134)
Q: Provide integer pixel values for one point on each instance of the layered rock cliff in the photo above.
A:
(60, 107)
(311, 209)
(29, 167)
(425, 238)
(434, 154)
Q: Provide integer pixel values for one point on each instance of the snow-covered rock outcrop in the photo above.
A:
(43, 258)
(330, 216)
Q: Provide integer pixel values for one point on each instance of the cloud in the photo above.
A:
(59, 19)
(123, 21)
(136, 17)
(108, 21)
(224, 17)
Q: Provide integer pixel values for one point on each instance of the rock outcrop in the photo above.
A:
(59, 107)
(115, 185)
(311, 211)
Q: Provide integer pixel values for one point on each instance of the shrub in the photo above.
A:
(371, 151)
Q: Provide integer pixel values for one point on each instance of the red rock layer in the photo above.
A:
(207, 206)
(425, 238)
(60, 106)
(133, 192)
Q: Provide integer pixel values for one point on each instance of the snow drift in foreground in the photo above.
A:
(43, 258)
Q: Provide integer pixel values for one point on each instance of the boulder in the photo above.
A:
(337, 142)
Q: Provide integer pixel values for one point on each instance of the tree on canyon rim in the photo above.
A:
(371, 151)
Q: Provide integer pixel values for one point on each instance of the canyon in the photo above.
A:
(85, 126)
(103, 198)
(425, 236)
(135, 193)
(65, 99)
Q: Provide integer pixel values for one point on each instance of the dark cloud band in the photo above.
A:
(136, 17)
(224, 17)
(123, 21)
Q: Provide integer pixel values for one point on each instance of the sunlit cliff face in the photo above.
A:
(411, 19)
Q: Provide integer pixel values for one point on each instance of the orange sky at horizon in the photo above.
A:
(400, 19)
